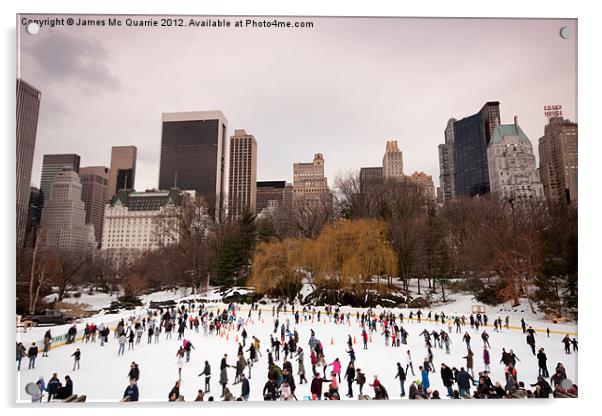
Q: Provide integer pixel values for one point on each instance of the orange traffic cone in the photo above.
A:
(236, 337)
(354, 341)
(370, 337)
(221, 334)
(227, 337)
(331, 341)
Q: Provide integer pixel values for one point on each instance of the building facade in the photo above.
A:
(446, 163)
(28, 108)
(393, 161)
(64, 216)
(309, 182)
(513, 172)
(425, 185)
(94, 180)
(136, 222)
(193, 155)
(122, 171)
(558, 161)
(273, 194)
(370, 177)
(471, 138)
(242, 186)
(51, 166)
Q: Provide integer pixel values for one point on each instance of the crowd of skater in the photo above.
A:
(286, 355)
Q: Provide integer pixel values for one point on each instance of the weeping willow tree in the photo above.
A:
(276, 268)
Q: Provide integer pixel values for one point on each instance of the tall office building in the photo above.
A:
(471, 138)
(193, 155)
(558, 161)
(242, 187)
(370, 177)
(392, 161)
(122, 172)
(446, 163)
(64, 216)
(513, 172)
(28, 108)
(309, 182)
(94, 180)
(51, 166)
(34, 216)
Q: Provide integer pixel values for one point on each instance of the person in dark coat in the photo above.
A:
(131, 392)
(174, 392)
(66, 390)
(207, 373)
(542, 361)
(53, 385)
(350, 377)
(465, 381)
(316, 386)
(32, 354)
(223, 377)
(245, 389)
(402, 379)
(269, 390)
(134, 373)
(21, 352)
(447, 376)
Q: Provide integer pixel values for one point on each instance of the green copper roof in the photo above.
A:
(504, 130)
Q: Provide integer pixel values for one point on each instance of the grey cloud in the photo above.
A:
(78, 61)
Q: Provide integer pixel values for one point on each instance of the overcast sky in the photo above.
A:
(342, 88)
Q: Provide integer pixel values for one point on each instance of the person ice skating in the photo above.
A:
(174, 393)
(47, 342)
(245, 389)
(301, 371)
(121, 341)
(531, 342)
(485, 337)
(466, 339)
(447, 376)
(32, 354)
(131, 392)
(316, 386)
(207, 373)
(567, 344)
(469, 362)
(65, 391)
(401, 375)
(575, 344)
(21, 352)
(486, 359)
(425, 377)
(360, 379)
(350, 377)
(38, 397)
(180, 365)
(336, 368)
(134, 373)
(223, 378)
(409, 363)
(53, 385)
(76, 357)
(542, 360)
(464, 381)
(188, 347)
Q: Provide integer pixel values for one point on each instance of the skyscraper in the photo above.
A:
(471, 137)
(446, 163)
(94, 180)
(51, 166)
(273, 194)
(122, 172)
(513, 173)
(370, 177)
(392, 161)
(242, 187)
(309, 182)
(558, 161)
(64, 216)
(28, 107)
(193, 155)
(425, 185)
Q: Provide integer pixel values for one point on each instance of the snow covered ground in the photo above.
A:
(103, 375)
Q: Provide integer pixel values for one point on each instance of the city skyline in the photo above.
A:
(332, 96)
